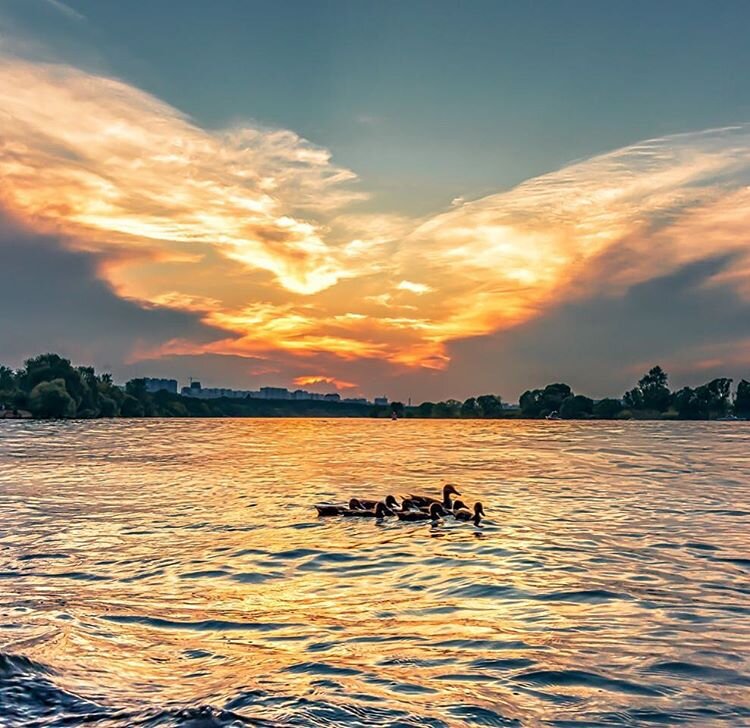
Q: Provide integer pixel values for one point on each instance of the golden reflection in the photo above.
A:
(175, 562)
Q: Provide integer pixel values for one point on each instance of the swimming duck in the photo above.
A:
(436, 513)
(330, 509)
(368, 505)
(464, 514)
(425, 501)
(381, 511)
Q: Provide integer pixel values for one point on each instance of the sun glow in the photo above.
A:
(254, 230)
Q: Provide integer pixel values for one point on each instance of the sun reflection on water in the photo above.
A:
(151, 566)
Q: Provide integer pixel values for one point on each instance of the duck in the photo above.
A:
(381, 511)
(436, 513)
(330, 509)
(464, 514)
(368, 505)
(425, 501)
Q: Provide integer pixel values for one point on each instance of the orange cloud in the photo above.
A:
(312, 379)
(253, 229)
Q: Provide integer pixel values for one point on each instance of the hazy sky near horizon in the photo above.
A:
(426, 199)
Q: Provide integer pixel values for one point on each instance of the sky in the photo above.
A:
(419, 199)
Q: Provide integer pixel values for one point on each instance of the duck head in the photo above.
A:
(391, 501)
(449, 490)
(478, 509)
(459, 505)
(355, 505)
(382, 510)
(436, 511)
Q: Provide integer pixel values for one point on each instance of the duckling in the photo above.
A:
(425, 501)
(464, 514)
(409, 504)
(381, 511)
(436, 513)
(329, 509)
(369, 505)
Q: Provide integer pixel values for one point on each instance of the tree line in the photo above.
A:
(48, 386)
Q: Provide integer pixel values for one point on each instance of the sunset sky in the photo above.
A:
(422, 199)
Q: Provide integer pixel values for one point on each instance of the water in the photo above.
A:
(174, 572)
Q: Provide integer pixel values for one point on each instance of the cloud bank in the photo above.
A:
(257, 236)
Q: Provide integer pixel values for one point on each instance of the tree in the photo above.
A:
(448, 409)
(714, 397)
(687, 404)
(633, 399)
(7, 379)
(490, 405)
(653, 386)
(397, 408)
(49, 367)
(425, 409)
(108, 407)
(541, 402)
(576, 407)
(51, 400)
(131, 407)
(742, 399)
(607, 408)
(470, 408)
(531, 402)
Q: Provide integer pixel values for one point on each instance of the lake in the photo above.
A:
(174, 572)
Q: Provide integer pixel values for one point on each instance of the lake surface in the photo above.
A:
(174, 572)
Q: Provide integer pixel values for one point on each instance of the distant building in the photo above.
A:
(157, 385)
(275, 393)
(354, 400)
(196, 390)
(381, 400)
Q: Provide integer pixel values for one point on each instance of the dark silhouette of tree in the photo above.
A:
(47, 368)
(425, 409)
(541, 402)
(51, 400)
(448, 409)
(654, 390)
(531, 402)
(607, 408)
(398, 408)
(576, 407)
(714, 397)
(131, 407)
(742, 399)
(470, 409)
(490, 405)
(687, 404)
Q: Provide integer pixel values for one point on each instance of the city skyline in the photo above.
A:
(365, 200)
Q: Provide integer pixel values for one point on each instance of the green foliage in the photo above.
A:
(51, 387)
(51, 400)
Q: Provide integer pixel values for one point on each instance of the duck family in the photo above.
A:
(413, 508)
